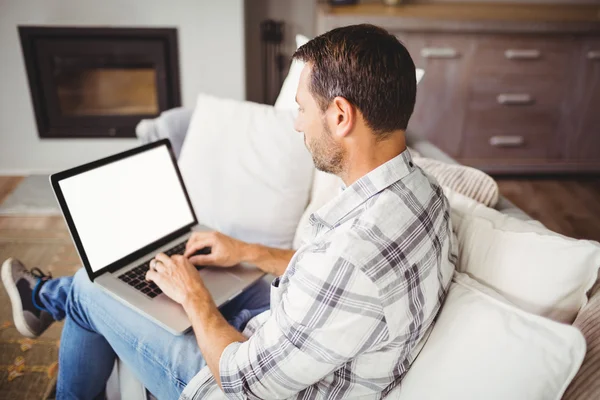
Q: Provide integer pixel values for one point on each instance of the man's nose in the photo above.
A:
(297, 126)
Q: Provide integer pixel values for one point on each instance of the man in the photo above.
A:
(349, 310)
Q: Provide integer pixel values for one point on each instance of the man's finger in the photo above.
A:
(196, 236)
(157, 266)
(165, 259)
(199, 237)
(208, 259)
(193, 247)
(152, 275)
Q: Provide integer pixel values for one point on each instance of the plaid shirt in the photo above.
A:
(355, 305)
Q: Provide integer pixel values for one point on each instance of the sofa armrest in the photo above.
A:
(172, 124)
(586, 384)
(124, 385)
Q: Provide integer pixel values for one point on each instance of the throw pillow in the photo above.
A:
(247, 171)
(468, 181)
(172, 124)
(536, 269)
(287, 95)
(481, 347)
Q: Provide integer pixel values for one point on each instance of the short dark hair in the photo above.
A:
(367, 66)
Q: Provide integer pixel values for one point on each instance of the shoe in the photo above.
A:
(19, 282)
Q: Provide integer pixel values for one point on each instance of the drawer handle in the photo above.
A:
(514, 99)
(516, 54)
(439, 52)
(507, 141)
(593, 55)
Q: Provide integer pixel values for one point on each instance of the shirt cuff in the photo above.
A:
(202, 381)
(230, 382)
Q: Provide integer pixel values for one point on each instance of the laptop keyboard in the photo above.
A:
(136, 277)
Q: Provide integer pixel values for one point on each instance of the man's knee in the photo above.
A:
(81, 280)
(81, 287)
(80, 296)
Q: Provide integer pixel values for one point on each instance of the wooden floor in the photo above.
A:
(7, 185)
(568, 206)
(42, 241)
(39, 242)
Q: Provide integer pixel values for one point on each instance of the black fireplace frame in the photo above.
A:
(51, 125)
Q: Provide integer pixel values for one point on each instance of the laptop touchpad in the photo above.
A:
(220, 283)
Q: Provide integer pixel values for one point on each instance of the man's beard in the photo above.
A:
(327, 155)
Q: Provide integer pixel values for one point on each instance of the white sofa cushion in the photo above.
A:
(247, 171)
(287, 94)
(536, 269)
(481, 347)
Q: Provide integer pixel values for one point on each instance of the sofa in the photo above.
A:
(173, 124)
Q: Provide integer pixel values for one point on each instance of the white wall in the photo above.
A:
(211, 57)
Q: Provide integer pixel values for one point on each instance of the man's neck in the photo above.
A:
(365, 157)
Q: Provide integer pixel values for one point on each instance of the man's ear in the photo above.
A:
(342, 116)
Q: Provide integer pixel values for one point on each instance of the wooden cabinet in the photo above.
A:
(507, 89)
(446, 58)
(584, 146)
(517, 112)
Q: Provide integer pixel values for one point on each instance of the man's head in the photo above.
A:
(358, 86)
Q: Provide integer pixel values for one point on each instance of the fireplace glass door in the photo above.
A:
(99, 82)
(107, 91)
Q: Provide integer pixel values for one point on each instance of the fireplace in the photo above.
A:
(99, 82)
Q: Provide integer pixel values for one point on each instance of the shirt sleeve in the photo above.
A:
(328, 314)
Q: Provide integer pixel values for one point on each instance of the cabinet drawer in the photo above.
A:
(516, 92)
(503, 121)
(428, 48)
(517, 144)
(498, 55)
(494, 131)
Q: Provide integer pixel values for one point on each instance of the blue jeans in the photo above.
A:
(98, 328)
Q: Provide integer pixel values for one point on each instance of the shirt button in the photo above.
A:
(410, 164)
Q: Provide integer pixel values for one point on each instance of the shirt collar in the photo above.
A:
(363, 189)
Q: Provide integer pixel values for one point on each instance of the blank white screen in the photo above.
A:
(123, 206)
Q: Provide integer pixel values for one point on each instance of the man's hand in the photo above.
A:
(225, 251)
(178, 279)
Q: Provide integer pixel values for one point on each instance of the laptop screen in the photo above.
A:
(123, 206)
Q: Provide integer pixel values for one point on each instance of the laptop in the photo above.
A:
(124, 209)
